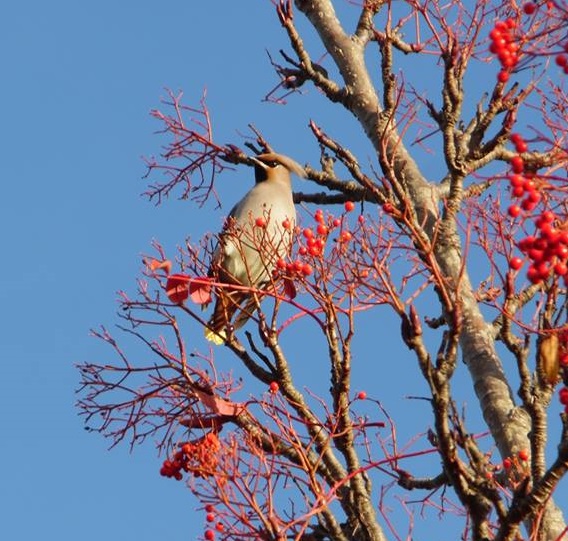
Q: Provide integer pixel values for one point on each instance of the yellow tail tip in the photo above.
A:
(218, 338)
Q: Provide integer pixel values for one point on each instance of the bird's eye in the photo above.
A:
(273, 163)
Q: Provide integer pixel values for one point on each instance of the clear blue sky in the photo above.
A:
(79, 79)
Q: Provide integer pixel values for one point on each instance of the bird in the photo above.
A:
(257, 233)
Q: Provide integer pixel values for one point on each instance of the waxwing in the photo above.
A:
(258, 232)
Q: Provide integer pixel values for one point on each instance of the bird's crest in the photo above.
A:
(272, 159)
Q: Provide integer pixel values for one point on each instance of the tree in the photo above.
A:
(280, 461)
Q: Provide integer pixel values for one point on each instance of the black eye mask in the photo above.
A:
(260, 173)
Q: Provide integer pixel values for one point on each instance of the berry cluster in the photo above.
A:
(504, 46)
(516, 462)
(516, 468)
(211, 518)
(561, 59)
(523, 184)
(313, 241)
(198, 458)
(547, 250)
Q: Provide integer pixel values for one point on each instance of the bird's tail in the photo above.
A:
(226, 305)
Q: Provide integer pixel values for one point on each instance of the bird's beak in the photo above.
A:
(256, 161)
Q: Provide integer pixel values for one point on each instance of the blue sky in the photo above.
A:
(79, 80)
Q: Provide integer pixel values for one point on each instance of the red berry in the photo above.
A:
(307, 269)
(543, 270)
(563, 237)
(548, 216)
(349, 206)
(345, 236)
(528, 204)
(495, 34)
(560, 269)
(521, 146)
(515, 263)
(529, 185)
(308, 233)
(286, 224)
(535, 254)
(508, 60)
(517, 180)
(494, 48)
(514, 211)
(561, 60)
(209, 535)
(563, 396)
(210, 517)
(362, 395)
(526, 243)
(186, 448)
(533, 275)
(388, 208)
(507, 463)
(544, 227)
(219, 526)
(517, 164)
(318, 217)
(336, 222)
(503, 76)
(529, 8)
(551, 235)
(515, 138)
(274, 387)
(303, 250)
(524, 455)
(209, 508)
(322, 229)
(561, 250)
(260, 221)
(540, 244)
(281, 264)
(564, 357)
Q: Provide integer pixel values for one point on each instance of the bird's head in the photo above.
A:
(272, 166)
